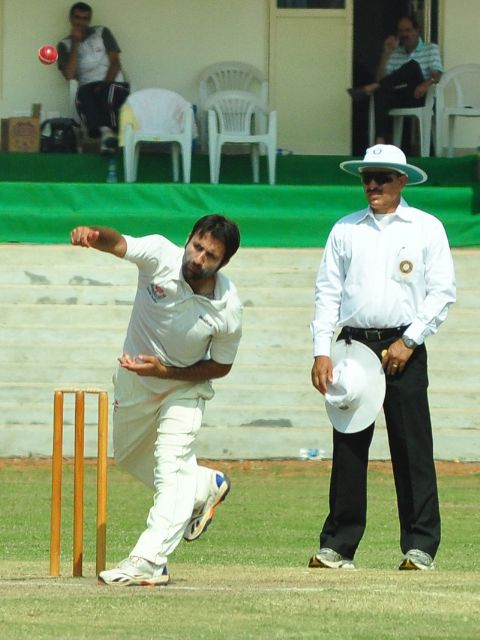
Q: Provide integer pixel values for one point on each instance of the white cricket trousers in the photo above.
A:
(153, 438)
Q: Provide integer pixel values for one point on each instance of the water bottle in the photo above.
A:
(311, 454)
(112, 171)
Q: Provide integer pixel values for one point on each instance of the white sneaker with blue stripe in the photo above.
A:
(135, 572)
(202, 517)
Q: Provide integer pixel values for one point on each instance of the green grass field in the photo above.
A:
(247, 577)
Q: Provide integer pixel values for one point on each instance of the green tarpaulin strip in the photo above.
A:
(269, 216)
(235, 169)
(293, 214)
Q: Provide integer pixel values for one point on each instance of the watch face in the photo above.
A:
(408, 342)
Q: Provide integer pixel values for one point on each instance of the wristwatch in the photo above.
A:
(409, 343)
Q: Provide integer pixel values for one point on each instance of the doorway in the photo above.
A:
(373, 21)
(310, 53)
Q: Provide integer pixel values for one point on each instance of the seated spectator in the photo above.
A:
(408, 67)
(91, 56)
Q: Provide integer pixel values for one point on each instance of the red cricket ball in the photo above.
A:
(48, 54)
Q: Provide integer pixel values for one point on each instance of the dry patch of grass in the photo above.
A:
(243, 602)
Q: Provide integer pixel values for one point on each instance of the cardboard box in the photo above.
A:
(22, 133)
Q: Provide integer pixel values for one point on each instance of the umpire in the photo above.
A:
(387, 280)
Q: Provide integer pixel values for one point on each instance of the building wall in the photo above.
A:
(164, 43)
(168, 42)
(310, 66)
(460, 44)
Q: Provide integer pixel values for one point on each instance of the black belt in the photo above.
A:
(375, 334)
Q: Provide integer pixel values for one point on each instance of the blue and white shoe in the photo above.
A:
(135, 572)
(202, 517)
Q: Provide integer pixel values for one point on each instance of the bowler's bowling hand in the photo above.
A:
(144, 365)
(84, 236)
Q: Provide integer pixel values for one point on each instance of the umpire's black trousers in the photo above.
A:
(407, 417)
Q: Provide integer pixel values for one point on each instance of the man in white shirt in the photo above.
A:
(387, 280)
(184, 331)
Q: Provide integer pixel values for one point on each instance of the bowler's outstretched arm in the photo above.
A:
(101, 238)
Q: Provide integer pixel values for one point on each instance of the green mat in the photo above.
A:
(291, 169)
(43, 196)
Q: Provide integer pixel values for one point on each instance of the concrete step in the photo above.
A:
(296, 261)
(15, 361)
(98, 316)
(119, 273)
(124, 294)
(232, 442)
(240, 406)
(43, 255)
(295, 337)
(243, 372)
(266, 317)
(108, 276)
(66, 295)
(78, 351)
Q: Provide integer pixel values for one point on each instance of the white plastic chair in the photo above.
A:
(156, 115)
(232, 118)
(226, 76)
(458, 96)
(424, 116)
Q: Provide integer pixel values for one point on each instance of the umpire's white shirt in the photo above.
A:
(384, 276)
(169, 320)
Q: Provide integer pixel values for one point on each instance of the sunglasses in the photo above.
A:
(379, 176)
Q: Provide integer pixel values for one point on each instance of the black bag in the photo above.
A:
(58, 135)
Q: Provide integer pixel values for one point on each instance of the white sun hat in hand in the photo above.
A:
(356, 394)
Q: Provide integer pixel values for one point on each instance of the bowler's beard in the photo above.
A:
(193, 273)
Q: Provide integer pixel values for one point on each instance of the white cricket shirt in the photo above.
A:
(169, 320)
(384, 276)
(93, 61)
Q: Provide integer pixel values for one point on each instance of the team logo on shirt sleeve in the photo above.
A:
(156, 292)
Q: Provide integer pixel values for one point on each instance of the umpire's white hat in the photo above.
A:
(356, 394)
